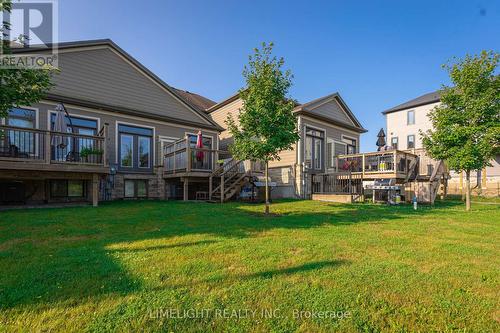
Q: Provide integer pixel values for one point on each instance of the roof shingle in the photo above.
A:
(428, 98)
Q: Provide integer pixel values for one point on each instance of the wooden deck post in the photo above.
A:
(363, 165)
(95, 190)
(222, 189)
(186, 189)
(210, 187)
(47, 147)
(188, 155)
(105, 145)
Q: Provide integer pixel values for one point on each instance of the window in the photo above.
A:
(129, 189)
(411, 142)
(394, 142)
(207, 141)
(144, 151)
(67, 188)
(314, 149)
(21, 118)
(75, 188)
(136, 188)
(135, 148)
(126, 148)
(23, 140)
(330, 159)
(410, 117)
(76, 125)
(351, 145)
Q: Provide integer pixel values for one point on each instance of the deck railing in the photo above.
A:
(386, 162)
(180, 156)
(42, 146)
(337, 183)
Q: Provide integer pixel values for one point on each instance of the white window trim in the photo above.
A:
(51, 112)
(414, 141)
(37, 114)
(333, 141)
(117, 123)
(350, 138)
(124, 116)
(323, 153)
(408, 117)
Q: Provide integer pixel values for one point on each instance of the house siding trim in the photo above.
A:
(119, 122)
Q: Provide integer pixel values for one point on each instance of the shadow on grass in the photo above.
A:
(311, 266)
(63, 255)
(162, 247)
(268, 274)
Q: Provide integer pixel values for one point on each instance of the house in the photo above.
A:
(404, 123)
(130, 135)
(327, 128)
(121, 119)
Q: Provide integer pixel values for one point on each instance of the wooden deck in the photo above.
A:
(395, 164)
(41, 150)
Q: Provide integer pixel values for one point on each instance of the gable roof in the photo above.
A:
(228, 100)
(428, 98)
(309, 107)
(155, 98)
(197, 101)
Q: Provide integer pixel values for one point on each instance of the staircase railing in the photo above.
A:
(412, 169)
(227, 174)
(434, 180)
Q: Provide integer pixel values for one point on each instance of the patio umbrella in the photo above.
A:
(199, 145)
(60, 126)
(381, 139)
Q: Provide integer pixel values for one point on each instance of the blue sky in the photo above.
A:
(376, 54)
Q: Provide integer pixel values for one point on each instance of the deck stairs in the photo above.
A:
(226, 181)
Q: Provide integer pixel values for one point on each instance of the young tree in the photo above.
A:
(19, 86)
(266, 125)
(466, 125)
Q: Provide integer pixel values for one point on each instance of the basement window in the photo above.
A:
(136, 188)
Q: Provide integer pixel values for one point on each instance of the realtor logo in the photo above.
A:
(32, 31)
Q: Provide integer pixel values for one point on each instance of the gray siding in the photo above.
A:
(102, 76)
(332, 109)
(160, 128)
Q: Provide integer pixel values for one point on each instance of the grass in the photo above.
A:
(128, 266)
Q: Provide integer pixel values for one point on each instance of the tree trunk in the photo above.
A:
(467, 190)
(267, 188)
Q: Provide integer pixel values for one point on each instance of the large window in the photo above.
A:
(394, 142)
(351, 145)
(135, 148)
(136, 188)
(410, 117)
(314, 143)
(410, 142)
(23, 140)
(334, 149)
(24, 118)
(76, 125)
(67, 188)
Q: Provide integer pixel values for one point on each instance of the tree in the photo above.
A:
(466, 125)
(266, 125)
(19, 86)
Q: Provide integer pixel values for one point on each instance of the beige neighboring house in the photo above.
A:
(327, 128)
(404, 122)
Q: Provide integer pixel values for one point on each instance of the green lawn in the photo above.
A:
(128, 266)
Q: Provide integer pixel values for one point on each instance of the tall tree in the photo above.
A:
(19, 86)
(266, 125)
(466, 125)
